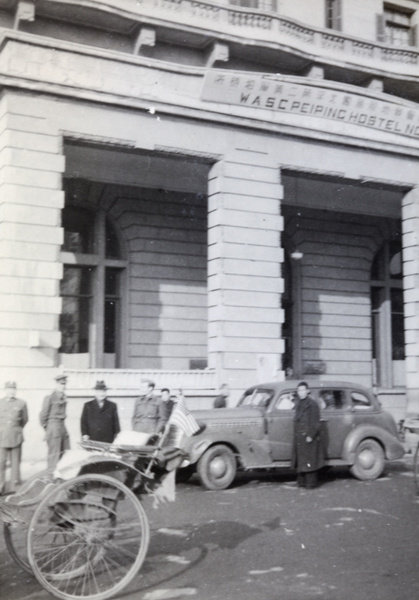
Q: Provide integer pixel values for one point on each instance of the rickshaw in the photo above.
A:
(82, 530)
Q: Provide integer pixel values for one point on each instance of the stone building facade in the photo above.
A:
(203, 192)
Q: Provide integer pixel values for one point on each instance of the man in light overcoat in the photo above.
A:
(13, 418)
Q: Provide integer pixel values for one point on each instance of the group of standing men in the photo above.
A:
(99, 422)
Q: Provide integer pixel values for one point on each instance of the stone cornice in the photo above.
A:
(211, 21)
(74, 71)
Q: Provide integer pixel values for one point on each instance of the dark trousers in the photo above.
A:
(14, 455)
(58, 443)
(308, 480)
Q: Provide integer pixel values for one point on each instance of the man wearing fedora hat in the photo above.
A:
(99, 418)
(13, 418)
(52, 418)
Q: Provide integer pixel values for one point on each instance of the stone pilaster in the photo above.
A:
(410, 218)
(31, 199)
(244, 269)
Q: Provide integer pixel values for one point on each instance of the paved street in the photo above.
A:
(265, 539)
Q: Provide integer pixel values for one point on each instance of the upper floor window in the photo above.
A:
(395, 26)
(269, 5)
(334, 14)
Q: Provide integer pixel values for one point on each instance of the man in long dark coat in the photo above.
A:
(308, 456)
(99, 418)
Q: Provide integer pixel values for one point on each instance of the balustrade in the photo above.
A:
(276, 29)
(131, 382)
(297, 31)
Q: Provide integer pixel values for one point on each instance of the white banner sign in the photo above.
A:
(270, 92)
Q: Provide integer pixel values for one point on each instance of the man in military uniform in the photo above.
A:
(52, 419)
(13, 418)
(147, 416)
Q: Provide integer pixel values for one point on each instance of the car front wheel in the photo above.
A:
(217, 467)
(369, 460)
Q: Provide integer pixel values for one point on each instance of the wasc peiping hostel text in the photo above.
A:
(317, 100)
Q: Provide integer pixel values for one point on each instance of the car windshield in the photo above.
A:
(256, 397)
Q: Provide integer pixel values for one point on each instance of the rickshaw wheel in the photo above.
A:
(88, 538)
(15, 535)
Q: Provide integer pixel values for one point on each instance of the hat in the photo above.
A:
(100, 385)
(10, 384)
(61, 378)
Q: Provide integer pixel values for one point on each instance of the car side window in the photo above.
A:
(331, 399)
(360, 400)
(257, 398)
(285, 401)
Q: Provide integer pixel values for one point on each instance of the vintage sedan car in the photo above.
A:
(258, 433)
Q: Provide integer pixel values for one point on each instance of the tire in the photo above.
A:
(416, 469)
(369, 460)
(88, 538)
(183, 475)
(15, 535)
(217, 467)
(27, 498)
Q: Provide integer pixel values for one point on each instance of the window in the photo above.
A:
(360, 401)
(91, 290)
(387, 316)
(394, 26)
(287, 326)
(286, 401)
(332, 399)
(264, 5)
(334, 14)
(256, 398)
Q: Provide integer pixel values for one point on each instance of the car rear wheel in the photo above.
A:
(217, 467)
(369, 460)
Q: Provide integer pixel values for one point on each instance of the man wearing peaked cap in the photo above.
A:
(52, 418)
(99, 419)
(13, 418)
(147, 416)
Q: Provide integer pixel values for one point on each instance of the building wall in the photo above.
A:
(165, 238)
(334, 273)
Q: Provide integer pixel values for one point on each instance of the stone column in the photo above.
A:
(244, 269)
(410, 222)
(31, 199)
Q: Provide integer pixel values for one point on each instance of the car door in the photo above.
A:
(337, 418)
(364, 409)
(280, 426)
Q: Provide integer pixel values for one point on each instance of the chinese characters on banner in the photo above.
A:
(280, 95)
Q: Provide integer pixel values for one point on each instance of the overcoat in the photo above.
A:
(13, 418)
(307, 456)
(100, 424)
(147, 416)
(52, 418)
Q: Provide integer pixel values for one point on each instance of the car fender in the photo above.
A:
(250, 453)
(196, 448)
(393, 448)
